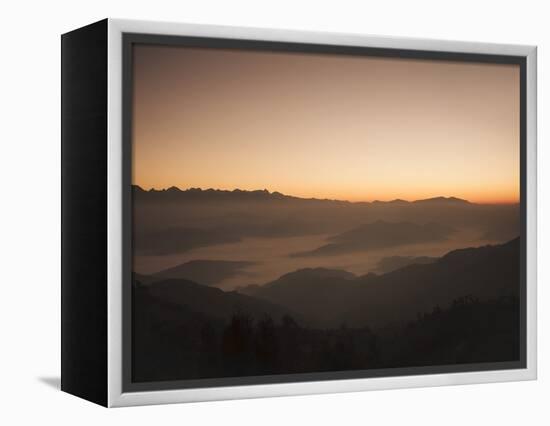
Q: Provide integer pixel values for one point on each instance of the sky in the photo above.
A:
(325, 126)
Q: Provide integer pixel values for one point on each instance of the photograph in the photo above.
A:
(296, 213)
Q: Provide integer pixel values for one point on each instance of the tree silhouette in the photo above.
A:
(238, 345)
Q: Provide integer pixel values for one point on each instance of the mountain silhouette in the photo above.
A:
(438, 200)
(210, 301)
(316, 293)
(173, 221)
(391, 263)
(161, 240)
(173, 193)
(484, 272)
(198, 194)
(380, 234)
(304, 280)
(308, 274)
(207, 272)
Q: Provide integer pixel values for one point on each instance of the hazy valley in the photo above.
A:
(270, 234)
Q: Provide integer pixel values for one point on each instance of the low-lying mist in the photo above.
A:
(265, 231)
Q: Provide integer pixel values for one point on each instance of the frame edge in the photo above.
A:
(118, 398)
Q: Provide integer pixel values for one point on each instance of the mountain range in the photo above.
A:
(380, 234)
(391, 263)
(209, 301)
(206, 272)
(174, 221)
(175, 193)
(328, 298)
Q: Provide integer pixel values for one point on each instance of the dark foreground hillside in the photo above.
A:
(195, 346)
(183, 330)
(329, 299)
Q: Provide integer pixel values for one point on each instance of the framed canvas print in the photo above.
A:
(251, 212)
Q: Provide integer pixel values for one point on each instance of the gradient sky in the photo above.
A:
(325, 126)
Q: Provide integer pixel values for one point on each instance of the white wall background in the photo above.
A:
(30, 210)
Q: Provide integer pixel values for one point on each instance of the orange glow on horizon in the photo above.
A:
(325, 126)
(479, 198)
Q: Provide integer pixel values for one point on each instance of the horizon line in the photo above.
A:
(278, 193)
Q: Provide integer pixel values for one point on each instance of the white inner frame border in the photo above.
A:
(116, 397)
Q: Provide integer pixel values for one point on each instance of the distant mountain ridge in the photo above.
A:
(209, 300)
(174, 221)
(206, 272)
(263, 194)
(380, 234)
(453, 200)
(391, 263)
